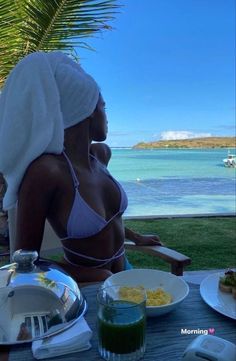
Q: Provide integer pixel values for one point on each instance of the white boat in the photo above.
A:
(230, 161)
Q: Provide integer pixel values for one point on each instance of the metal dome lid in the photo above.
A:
(37, 299)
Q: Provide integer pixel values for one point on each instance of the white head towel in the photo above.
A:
(44, 94)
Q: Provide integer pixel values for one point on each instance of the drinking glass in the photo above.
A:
(121, 324)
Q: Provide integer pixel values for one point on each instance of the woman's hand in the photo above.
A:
(142, 239)
(147, 240)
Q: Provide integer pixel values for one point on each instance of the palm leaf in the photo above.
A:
(32, 25)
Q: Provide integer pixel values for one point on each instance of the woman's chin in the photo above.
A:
(100, 138)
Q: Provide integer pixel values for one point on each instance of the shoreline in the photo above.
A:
(182, 147)
(207, 142)
(169, 147)
(170, 216)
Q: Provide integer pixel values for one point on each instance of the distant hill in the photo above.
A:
(210, 142)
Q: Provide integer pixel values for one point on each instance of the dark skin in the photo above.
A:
(103, 153)
(47, 192)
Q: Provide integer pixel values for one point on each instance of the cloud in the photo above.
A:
(128, 133)
(228, 127)
(182, 134)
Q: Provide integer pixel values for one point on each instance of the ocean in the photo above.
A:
(175, 181)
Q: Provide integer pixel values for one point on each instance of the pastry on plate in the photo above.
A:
(227, 283)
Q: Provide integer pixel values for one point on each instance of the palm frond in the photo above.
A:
(9, 35)
(32, 25)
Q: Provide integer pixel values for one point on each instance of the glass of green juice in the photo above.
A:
(121, 324)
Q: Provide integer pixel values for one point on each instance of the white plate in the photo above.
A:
(152, 279)
(215, 298)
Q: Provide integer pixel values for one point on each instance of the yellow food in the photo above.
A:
(156, 297)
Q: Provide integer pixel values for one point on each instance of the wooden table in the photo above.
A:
(164, 339)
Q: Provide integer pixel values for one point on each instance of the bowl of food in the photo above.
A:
(164, 290)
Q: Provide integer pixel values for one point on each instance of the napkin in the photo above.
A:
(5, 276)
(75, 339)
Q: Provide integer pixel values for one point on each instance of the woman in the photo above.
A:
(51, 111)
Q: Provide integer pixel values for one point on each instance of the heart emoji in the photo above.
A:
(211, 331)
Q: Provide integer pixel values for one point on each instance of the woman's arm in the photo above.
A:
(142, 239)
(36, 194)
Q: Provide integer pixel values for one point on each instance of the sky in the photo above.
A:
(166, 70)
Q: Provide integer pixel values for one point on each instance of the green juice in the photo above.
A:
(121, 330)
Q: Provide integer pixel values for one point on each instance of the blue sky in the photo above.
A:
(166, 70)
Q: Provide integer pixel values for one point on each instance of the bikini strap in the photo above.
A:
(104, 261)
(72, 171)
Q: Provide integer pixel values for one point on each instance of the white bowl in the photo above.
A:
(152, 279)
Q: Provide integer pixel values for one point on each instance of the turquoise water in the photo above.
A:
(173, 181)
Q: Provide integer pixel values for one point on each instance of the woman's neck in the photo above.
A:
(77, 144)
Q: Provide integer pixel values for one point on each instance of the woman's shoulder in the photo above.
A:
(46, 163)
(45, 169)
(42, 182)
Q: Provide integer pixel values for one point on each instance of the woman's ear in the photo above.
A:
(93, 113)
